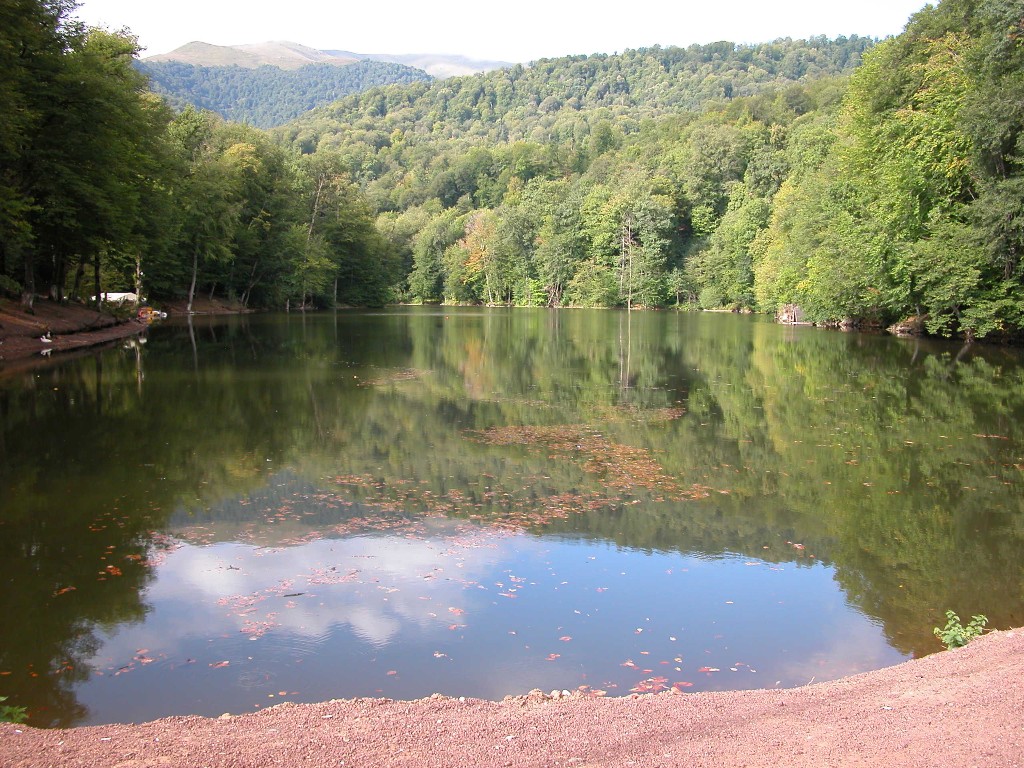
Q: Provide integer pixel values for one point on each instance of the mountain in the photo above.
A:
(435, 64)
(275, 54)
(267, 95)
(538, 101)
(288, 55)
(268, 84)
(459, 142)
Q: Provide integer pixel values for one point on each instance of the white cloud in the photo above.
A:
(376, 586)
(522, 32)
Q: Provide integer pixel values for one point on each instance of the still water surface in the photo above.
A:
(475, 502)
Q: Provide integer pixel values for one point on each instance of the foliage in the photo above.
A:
(862, 182)
(955, 634)
(79, 158)
(12, 714)
(9, 286)
(915, 207)
(269, 96)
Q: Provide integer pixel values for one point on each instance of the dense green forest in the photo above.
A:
(268, 96)
(103, 187)
(862, 182)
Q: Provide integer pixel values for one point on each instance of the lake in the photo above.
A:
(240, 511)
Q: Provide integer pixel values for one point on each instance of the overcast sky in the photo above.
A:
(516, 32)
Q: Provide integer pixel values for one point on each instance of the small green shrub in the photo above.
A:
(9, 714)
(955, 634)
(9, 286)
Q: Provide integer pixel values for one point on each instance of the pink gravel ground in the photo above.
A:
(959, 708)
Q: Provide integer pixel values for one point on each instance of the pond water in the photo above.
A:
(248, 510)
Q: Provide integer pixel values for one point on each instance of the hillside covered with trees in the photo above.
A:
(268, 96)
(862, 182)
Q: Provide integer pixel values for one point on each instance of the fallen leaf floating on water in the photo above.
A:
(620, 466)
(650, 685)
(392, 377)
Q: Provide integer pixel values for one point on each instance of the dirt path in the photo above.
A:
(959, 708)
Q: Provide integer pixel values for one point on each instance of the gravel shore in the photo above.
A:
(956, 708)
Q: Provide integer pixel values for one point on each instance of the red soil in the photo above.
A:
(957, 708)
(69, 328)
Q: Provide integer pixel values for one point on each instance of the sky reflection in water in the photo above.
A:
(480, 502)
(446, 606)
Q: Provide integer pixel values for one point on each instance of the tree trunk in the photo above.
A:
(192, 285)
(76, 287)
(253, 280)
(316, 207)
(28, 291)
(96, 279)
(60, 273)
(138, 277)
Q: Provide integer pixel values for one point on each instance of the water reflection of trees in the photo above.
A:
(864, 450)
(74, 536)
(829, 439)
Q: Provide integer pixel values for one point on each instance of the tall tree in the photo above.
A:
(35, 36)
(208, 199)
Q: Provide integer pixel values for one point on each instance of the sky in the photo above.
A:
(521, 32)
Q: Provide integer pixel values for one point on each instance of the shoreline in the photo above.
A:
(66, 326)
(71, 328)
(952, 708)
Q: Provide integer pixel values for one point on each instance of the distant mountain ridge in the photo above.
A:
(282, 54)
(437, 65)
(268, 95)
(288, 55)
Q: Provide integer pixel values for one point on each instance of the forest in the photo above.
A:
(864, 182)
(268, 96)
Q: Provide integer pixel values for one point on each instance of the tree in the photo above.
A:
(725, 269)
(560, 242)
(79, 148)
(208, 198)
(427, 280)
(108, 136)
(34, 37)
(629, 222)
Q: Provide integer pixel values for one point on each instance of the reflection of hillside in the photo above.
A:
(74, 532)
(898, 464)
(826, 439)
